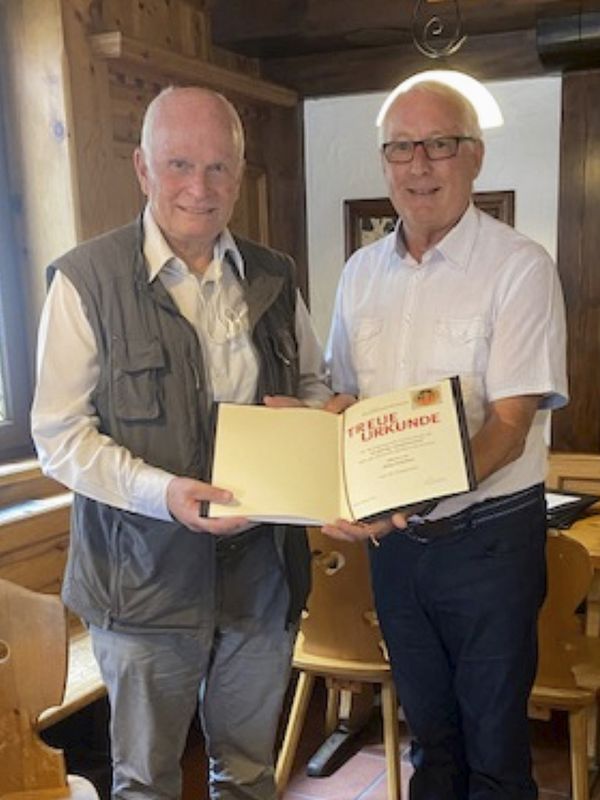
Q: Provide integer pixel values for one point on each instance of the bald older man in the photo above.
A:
(143, 330)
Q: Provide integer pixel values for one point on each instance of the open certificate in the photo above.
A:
(307, 466)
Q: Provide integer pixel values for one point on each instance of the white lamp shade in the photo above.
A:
(484, 102)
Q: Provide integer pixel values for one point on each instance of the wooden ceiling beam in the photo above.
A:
(267, 27)
(499, 56)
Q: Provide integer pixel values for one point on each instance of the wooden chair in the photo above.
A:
(568, 676)
(580, 472)
(340, 640)
(33, 669)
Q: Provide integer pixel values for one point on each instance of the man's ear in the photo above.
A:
(479, 153)
(141, 169)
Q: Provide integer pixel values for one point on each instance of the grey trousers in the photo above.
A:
(237, 670)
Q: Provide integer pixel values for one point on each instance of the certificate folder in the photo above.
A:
(309, 466)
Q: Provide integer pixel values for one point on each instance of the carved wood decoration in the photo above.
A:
(341, 620)
(33, 668)
(559, 628)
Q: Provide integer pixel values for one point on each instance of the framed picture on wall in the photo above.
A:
(365, 221)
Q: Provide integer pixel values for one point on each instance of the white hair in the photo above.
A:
(467, 115)
(237, 129)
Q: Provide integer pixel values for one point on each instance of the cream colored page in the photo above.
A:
(403, 448)
(281, 464)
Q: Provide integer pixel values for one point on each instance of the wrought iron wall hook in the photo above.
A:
(436, 36)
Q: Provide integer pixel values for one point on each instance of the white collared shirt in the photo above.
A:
(213, 303)
(69, 445)
(485, 303)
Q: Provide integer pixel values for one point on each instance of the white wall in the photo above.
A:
(342, 163)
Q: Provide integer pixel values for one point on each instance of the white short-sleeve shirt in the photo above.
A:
(485, 304)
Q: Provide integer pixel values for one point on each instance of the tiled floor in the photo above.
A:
(362, 777)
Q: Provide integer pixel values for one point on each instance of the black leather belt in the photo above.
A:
(496, 507)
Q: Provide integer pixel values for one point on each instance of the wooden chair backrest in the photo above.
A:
(560, 630)
(341, 621)
(33, 670)
(574, 472)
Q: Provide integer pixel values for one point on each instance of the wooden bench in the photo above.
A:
(575, 472)
(34, 541)
(84, 683)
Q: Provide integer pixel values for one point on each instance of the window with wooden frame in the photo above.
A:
(15, 367)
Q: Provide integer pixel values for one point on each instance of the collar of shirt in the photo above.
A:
(455, 248)
(159, 254)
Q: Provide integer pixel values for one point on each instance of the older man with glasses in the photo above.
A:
(458, 587)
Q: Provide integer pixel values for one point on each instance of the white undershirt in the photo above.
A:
(64, 425)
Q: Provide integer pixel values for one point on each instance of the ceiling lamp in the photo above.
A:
(437, 28)
(488, 110)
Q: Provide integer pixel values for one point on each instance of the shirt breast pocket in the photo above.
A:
(461, 345)
(135, 367)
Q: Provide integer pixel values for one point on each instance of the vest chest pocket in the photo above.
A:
(461, 346)
(135, 364)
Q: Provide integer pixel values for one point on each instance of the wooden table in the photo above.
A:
(587, 532)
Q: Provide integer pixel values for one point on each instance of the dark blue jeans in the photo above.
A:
(459, 617)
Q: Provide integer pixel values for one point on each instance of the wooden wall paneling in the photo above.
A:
(177, 25)
(251, 215)
(40, 567)
(98, 86)
(194, 32)
(33, 550)
(129, 200)
(281, 136)
(271, 205)
(577, 427)
(30, 484)
(109, 15)
(155, 60)
(129, 96)
(574, 472)
(235, 61)
(39, 137)
(96, 181)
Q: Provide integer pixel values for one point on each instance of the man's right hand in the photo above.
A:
(184, 496)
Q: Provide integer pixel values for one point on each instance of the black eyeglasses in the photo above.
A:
(402, 151)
